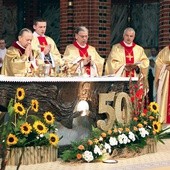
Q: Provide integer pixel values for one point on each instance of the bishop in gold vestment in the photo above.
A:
(82, 56)
(162, 82)
(127, 58)
(19, 55)
(72, 53)
(117, 59)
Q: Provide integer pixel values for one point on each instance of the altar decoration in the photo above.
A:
(142, 132)
(27, 136)
(124, 139)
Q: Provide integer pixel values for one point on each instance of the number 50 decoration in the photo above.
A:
(116, 106)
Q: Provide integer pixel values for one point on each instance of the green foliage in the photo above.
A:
(25, 127)
(143, 127)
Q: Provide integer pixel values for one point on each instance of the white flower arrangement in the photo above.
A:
(143, 126)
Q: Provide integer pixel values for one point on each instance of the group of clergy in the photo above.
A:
(31, 49)
(126, 59)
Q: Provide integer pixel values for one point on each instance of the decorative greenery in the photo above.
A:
(25, 127)
(144, 125)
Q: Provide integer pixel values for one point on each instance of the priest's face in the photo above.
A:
(128, 37)
(82, 37)
(40, 27)
(25, 39)
(2, 44)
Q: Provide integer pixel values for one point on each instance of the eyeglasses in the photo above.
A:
(83, 36)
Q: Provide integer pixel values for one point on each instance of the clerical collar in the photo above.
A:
(128, 45)
(82, 46)
(20, 45)
(37, 35)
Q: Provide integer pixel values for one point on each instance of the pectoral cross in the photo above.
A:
(129, 56)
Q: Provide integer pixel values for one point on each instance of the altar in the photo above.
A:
(60, 95)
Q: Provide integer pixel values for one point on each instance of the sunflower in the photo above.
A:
(49, 118)
(154, 107)
(34, 105)
(53, 139)
(40, 127)
(156, 126)
(19, 108)
(12, 139)
(25, 128)
(20, 94)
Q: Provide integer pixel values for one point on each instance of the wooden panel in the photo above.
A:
(62, 97)
(32, 155)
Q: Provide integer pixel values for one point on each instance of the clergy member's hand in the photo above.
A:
(28, 50)
(130, 67)
(86, 60)
(47, 49)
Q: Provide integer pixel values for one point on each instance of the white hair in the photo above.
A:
(129, 29)
(81, 28)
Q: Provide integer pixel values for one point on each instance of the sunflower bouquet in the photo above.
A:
(25, 127)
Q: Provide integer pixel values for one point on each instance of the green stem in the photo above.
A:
(27, 113)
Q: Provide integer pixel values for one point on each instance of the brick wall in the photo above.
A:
(164, 23)
(94, 14)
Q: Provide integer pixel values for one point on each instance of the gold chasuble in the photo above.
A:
(168, 103)
(15, 61)
(73, 52)
(162, 81)
(121, 55)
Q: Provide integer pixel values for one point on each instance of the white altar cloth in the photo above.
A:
(64, 79)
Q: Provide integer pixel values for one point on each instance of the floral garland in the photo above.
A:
(134, 136)
(144, 125)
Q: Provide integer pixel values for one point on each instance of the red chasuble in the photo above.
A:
(129, 57)
(42, 41)
(83, 53)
